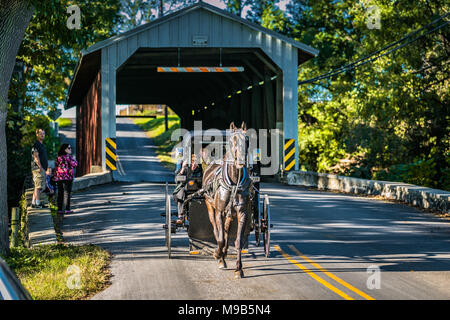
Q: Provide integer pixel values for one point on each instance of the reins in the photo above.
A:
(224, 183)
(234, 189)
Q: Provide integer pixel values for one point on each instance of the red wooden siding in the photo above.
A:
(89, 129)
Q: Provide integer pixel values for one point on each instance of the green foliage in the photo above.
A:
(28, 130)
(388, 119)
(64, 122)
(45, 78)
(137, 12)
(272, 17)
(45, 270)
(155, 129)
(21, 135)
(23, 257)
(420, 173)
(444, 181)
(234, 6)
(23, 230)
(49, 53)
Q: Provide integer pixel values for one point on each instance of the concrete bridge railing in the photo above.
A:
(426, 198)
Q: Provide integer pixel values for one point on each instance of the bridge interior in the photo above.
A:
(216, 98)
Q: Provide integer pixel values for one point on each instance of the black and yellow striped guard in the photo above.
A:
(289, 154)
(110, 149)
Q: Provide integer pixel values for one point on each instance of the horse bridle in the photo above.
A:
(242, 138)
(234, 188)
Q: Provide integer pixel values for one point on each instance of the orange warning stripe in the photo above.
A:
(200, 69)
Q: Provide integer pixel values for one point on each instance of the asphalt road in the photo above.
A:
(136, 155)
(324, 246)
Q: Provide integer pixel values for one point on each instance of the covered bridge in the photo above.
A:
(132, 68)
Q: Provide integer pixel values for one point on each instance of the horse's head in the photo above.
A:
(237, 145)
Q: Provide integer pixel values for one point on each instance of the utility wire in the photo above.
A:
(361, 61)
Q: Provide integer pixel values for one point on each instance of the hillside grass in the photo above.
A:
(64, 122)
(155, 129)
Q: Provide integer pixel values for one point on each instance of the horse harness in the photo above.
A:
(221, 179)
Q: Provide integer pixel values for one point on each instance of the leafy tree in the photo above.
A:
(14, 16)
(235, 6)
(137, 12)
(48, 51)
(383, 115)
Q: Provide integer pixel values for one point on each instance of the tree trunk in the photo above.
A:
(15, 16)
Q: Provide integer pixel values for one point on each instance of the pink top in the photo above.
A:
(64, 167)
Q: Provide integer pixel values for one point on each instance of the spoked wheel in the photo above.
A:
(168, 226)
(257, 219)
(265, 225)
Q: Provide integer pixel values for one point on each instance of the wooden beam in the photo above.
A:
(266, 62)
(234, 108)
(254, 69)
(270, 102)
(245, 107)
(256, 104)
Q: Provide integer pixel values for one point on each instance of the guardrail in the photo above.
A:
(92, 179)
(120, 116)
(422, 197)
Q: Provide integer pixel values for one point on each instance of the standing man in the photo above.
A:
(39, 165)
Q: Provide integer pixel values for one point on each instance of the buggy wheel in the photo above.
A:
(168, 226)
(265, 222)
(257, 219)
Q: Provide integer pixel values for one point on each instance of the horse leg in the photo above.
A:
(212, 219)
(219, 226)
(220, 241)
(212, 213)
(228, 221)
(238, 273)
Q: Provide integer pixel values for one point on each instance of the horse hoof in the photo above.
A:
(239, 274)
(222, 265)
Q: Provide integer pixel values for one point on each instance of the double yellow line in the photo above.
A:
(319, 279)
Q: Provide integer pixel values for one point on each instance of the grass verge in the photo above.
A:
(155, 129)
(64, 122)
(60, 272)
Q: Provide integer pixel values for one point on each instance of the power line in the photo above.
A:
(366, 59)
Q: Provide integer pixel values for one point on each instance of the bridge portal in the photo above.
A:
(205, 63)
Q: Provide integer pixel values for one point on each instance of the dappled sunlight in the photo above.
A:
(137, 159)
(344, 234)
(324, 224)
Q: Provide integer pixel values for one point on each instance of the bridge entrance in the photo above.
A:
(205, 63)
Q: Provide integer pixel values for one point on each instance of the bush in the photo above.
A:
(419, 173)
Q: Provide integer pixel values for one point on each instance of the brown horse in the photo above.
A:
(227, 192)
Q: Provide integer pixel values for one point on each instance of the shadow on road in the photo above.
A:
(126, 218)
